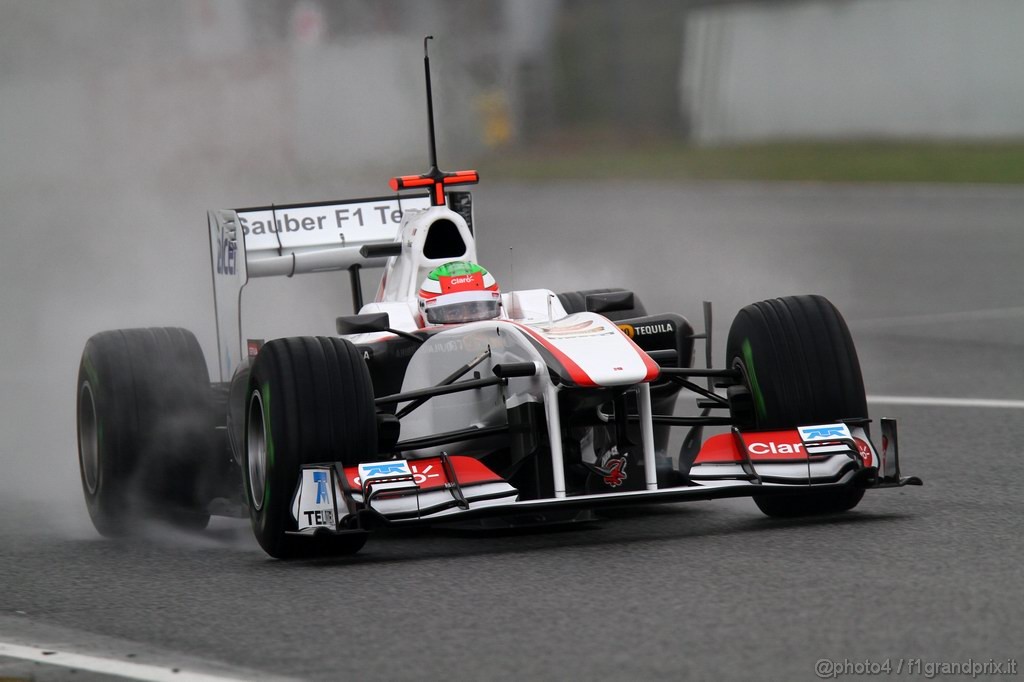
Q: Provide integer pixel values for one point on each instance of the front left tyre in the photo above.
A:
(310, 400)
(144, 429)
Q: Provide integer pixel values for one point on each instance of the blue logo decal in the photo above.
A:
(320, 478)
(384, 469)
(819, 432)
(227, 252)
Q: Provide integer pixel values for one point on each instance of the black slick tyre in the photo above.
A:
(310, 400)
(144, 430)
(799, 367)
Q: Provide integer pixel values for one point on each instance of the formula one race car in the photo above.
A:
(447, 400)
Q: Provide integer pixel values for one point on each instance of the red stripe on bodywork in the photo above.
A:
(719, 448)
(576, 373)
(653, 368)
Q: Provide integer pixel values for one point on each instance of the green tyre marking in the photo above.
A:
(90, 371)
(269, 442)
(755, 390)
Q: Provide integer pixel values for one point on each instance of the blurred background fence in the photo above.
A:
(314, 85)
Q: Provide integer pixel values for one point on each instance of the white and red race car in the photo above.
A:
(558, 406)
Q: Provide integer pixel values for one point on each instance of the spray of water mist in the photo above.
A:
(124, 123)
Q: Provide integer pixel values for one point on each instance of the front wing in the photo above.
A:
(331, 498)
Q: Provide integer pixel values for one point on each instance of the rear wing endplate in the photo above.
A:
(292, 239)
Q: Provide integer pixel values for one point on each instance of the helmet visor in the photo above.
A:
(463, 311)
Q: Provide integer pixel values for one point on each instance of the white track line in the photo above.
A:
(925, 401)
(108, 666)
(939, 318)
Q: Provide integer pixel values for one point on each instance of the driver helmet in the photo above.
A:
(459, 291)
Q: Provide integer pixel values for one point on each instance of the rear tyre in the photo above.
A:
(144, 430)
(310, 400)
(799, 367)
(576, 302)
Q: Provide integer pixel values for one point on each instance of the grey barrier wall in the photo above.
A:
(854, 68)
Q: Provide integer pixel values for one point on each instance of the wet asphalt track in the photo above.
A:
(930, 281)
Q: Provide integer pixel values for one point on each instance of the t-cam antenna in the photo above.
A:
(433, 177)
(430, 105)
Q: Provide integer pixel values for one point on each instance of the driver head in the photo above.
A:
(457, 292)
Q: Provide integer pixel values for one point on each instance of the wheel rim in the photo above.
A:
(256, 450)
(88, 439)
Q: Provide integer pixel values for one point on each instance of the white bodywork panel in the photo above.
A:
(448, 350)
(532, 305)
(605, 357)
(602, 353)
(403, 274)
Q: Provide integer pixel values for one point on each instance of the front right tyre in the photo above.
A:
(799, 367)
(310, 400)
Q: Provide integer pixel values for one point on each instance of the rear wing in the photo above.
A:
(269, 241)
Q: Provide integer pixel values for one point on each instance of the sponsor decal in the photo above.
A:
(315, 506)
(823, 432)
(227, 251)
(572, 331)
(319, 517)
(774, 445)
(366, 352)
(656, 328)
(283, 223)
(633, 331)
(444, 345)
(616, 475)
(773, 448)
(761, 445)
(314, 219)
(766, 446)
(428, 473)
(320, 478)
(465, 279)
(393, 468)
(865, 452)
(324, 224)
(422, 473)
(253, 347)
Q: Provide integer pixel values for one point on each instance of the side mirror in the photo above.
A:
(381, 250)
(610, 302)
(364, 324)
